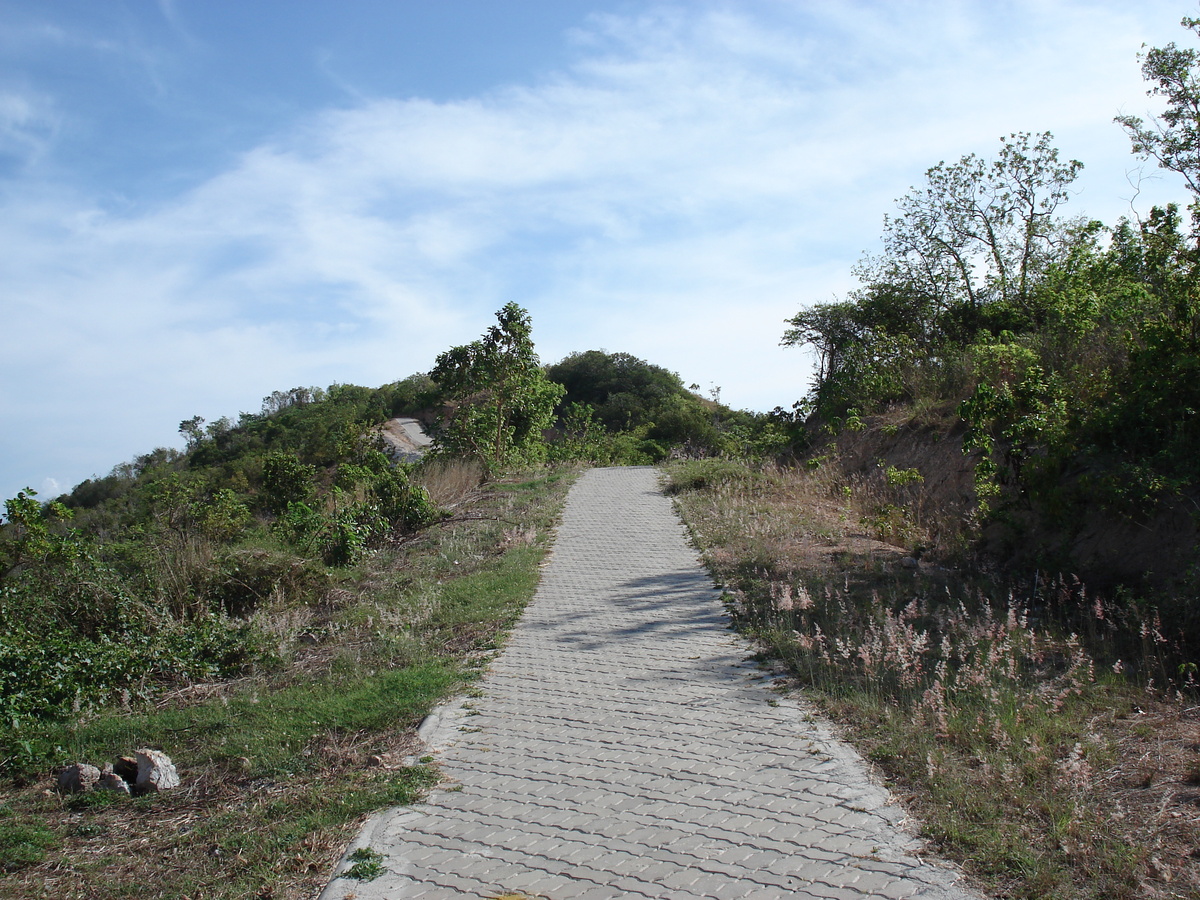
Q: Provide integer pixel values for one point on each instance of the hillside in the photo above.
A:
(277, 606)
(1058, 358)
(974, 539)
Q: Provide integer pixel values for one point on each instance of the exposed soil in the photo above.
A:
(1153, 790)
(405, 439)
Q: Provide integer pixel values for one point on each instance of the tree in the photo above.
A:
(497, 399)
(831, 329)
(979, 231)
(623, 390)
(277, 401)
(28, 533)
(193, 430)
(965, 254)
(286, 480)
(1174, 141)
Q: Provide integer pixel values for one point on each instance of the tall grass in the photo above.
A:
(450, 481)
(990, 712)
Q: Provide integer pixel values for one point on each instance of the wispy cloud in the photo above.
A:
(695, 176)
(28, 122)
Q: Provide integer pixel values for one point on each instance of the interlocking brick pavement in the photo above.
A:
(624, 746)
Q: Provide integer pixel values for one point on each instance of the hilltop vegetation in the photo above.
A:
(278, 605)
(155, 574)
(982, 555)
(1061, 354)
(1009, 391)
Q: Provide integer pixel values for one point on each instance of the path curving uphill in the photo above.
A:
(625, 748)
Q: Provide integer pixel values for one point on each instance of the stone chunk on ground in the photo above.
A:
(156, 772)
(126, 767)
(111, 781)
(77, 778)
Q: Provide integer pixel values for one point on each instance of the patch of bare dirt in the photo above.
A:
(1153, 792)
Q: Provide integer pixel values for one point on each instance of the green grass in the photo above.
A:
(23, 844)
(279, 768)
(272, 730)
(368, 864)
(493, 594)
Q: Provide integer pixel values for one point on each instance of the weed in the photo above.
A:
(368, 864)
(701, 474)
(93, 800)
(89, 830)
(23, 845)
(902, 477)
(450, 482)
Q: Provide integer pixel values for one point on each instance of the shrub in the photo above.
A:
(286, 480)
(242, 581)
(50, 676)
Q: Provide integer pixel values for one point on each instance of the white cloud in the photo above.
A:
(28, 123)
(697, 175)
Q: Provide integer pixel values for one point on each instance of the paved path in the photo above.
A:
(625, 748)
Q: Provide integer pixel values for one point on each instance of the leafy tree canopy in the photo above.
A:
(980, 230)
(964, 255)
(498, 401)
(1173, 140)
(624, 391)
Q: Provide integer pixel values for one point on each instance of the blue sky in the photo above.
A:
(206, 201)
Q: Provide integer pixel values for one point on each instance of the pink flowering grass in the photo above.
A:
(986, 710)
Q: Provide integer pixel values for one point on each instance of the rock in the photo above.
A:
(110, 781)
(155, 772)
(77, 778)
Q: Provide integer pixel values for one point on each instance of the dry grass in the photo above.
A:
(450, 482)
(1151, 791)
(1027, 758)
(811, 519)
(190, 843)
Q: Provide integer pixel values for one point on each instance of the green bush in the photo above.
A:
(49, 676)
(242, 580)
(622, 390)
(286, 480)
